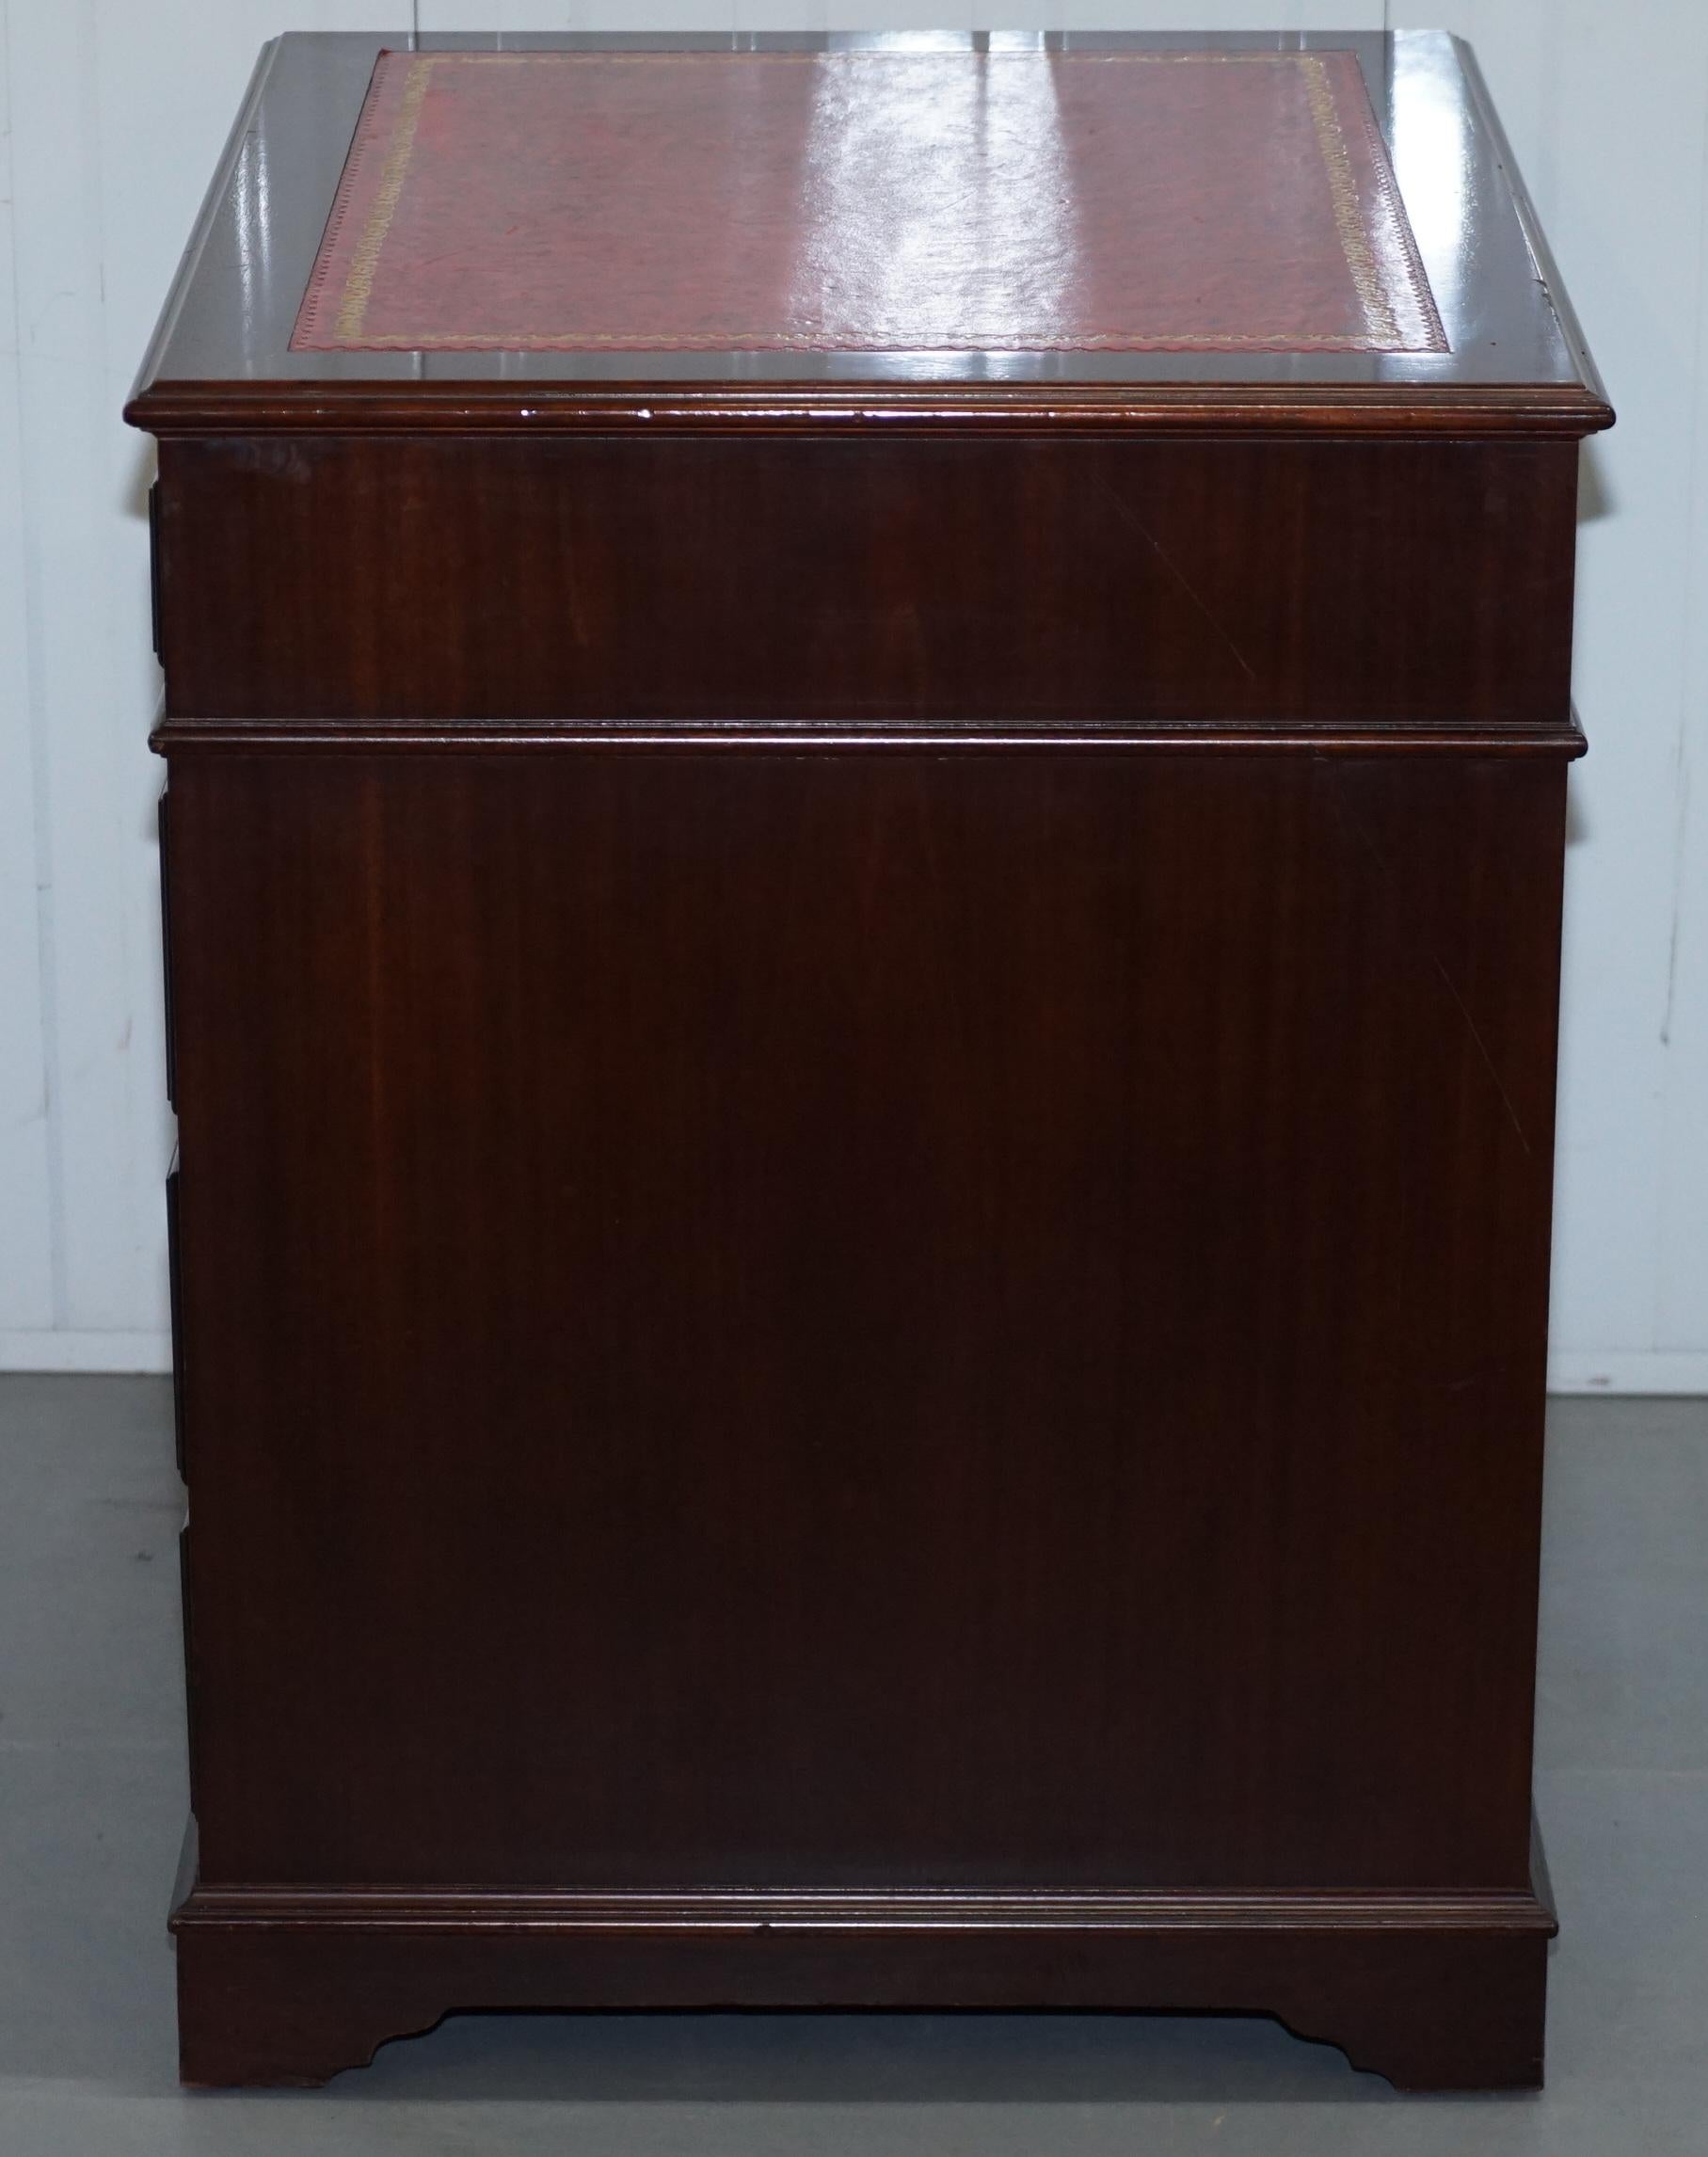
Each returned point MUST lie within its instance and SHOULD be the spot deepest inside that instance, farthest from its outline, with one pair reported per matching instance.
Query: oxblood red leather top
(869, 201)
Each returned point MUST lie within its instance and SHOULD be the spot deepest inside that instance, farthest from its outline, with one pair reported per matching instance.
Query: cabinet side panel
(916, 1319)
(723, 579)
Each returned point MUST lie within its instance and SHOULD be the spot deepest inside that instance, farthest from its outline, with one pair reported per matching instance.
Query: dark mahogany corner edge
(290, 1986)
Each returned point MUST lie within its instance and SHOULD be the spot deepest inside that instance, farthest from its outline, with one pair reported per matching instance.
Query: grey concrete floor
(92, 1806)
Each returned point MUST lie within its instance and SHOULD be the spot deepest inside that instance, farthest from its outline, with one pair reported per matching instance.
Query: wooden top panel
(990, 229)
(869, 201)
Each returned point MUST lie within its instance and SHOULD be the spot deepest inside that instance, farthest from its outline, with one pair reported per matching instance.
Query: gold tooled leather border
(1382, 331)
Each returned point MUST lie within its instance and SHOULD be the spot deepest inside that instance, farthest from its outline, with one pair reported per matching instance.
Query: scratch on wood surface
(1130, 516)
(1483, 1050)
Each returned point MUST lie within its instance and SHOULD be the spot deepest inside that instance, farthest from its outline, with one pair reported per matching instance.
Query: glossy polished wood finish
(221, 359)
(865, 1058)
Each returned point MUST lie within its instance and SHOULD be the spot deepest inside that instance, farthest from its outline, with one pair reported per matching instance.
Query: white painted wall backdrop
(113, 112)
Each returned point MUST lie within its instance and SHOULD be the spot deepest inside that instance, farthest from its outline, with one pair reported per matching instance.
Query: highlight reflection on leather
(869, 201)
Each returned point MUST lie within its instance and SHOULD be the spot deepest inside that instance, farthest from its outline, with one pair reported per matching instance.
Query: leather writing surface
(869, 200)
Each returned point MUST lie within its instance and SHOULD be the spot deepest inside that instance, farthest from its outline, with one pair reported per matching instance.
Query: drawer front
(190, 1688)
(163, 826)
(174, 1278)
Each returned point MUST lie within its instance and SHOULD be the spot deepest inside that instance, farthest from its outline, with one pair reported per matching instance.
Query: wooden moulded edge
(180, 736)
(179, 408)
(220, 1905)
(443, 1910)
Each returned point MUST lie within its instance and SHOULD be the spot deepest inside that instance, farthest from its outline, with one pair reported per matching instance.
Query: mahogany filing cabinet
(866, 750)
